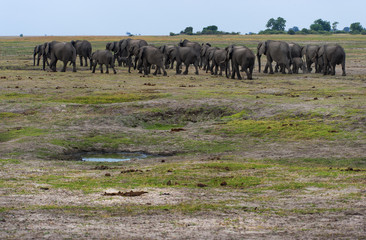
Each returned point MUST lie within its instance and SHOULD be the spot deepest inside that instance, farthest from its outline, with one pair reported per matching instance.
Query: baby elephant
(102, 57)
(298, 63)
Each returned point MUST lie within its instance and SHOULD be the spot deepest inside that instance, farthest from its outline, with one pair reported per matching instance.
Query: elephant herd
(233, 59)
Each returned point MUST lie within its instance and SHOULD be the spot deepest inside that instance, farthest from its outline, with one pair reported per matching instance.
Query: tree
(320, 25)
(356, 27)
(278, 24)
(210, 30)
(188, 31)
(334, 26)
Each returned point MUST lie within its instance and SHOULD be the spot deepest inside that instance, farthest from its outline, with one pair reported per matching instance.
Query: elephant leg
(276, 68)
(344, 68)
(129, 60)
(270, 67)
(74, 66)
(178, 71)
(86, 61)
(186, 71)
(94, 66)
(238, 72)
(196, 67)
(64, 67)
(101, 68)
(107, 66)
(266, 68)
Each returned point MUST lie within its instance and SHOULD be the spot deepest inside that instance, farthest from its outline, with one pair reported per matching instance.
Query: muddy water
(113, 157)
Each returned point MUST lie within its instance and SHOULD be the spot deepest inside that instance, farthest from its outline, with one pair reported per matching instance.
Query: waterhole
(114, 157)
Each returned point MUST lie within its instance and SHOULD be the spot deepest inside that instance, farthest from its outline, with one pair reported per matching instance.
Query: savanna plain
(281, 156)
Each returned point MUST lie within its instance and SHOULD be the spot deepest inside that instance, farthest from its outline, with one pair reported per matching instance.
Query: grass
(251, 146)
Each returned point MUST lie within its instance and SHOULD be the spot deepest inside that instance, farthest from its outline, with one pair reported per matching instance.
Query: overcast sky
(160, 17)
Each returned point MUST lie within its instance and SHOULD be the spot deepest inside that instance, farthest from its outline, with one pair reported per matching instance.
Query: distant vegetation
(320, 26)
(277, 26)
(209, 30)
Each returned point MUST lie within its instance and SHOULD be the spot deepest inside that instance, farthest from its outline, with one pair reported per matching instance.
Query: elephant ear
(47, 49)
(229, 54)
(320, 51)
(163, 48)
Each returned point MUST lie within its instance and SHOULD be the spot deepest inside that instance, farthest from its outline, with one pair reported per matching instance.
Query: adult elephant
(102, 57)
(165, 49)
(38, 51)
(84, 50)
(206, 56)
(203, 54)
(186, 55)
(149, 55)
(131, 46)
(309, 51)
(63, 51)
(219, 59)
(332, 55)
(277, 51)
(243, 57)
(195, 45)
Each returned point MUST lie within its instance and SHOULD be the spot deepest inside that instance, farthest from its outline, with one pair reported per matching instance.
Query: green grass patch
(112, 98)
(286, 129)
(21, 132)
(9, 115)
(9, 161)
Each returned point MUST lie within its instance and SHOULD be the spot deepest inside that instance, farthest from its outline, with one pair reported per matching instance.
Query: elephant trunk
(259, 62)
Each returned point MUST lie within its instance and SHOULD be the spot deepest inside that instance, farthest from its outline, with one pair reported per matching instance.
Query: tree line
(319, 26)
(277, 26)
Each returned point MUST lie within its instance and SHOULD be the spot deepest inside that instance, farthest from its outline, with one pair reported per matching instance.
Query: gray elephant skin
(219, 60)
(309, 51)
(277, 51)
(39, 51)
(103, 57)
(165, 49)
(206, 56)
(63, 51)
(83, 50)
(243, 57)
(186, 55)
(149, 55)
(131, 46)
(331, 55)
(298, 63)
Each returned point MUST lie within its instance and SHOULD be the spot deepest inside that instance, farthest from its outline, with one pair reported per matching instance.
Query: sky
(160, 17)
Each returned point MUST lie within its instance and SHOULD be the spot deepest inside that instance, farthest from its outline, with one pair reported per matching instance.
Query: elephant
(165, 50)
(38, 50)
(186, 55)
(241, 56)
(195, 45)
(206, 56)
(203, 52)
(102, 57)
(149, 55)
(121, 57)
(63, 51)
(277, 51)
(219, 59)
(131, 46)
(298, 63)
(309, 51)
(296, 52)
(84, 50)
(332, 55)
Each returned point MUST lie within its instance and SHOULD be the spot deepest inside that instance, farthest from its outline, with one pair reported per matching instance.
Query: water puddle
(114, 157)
